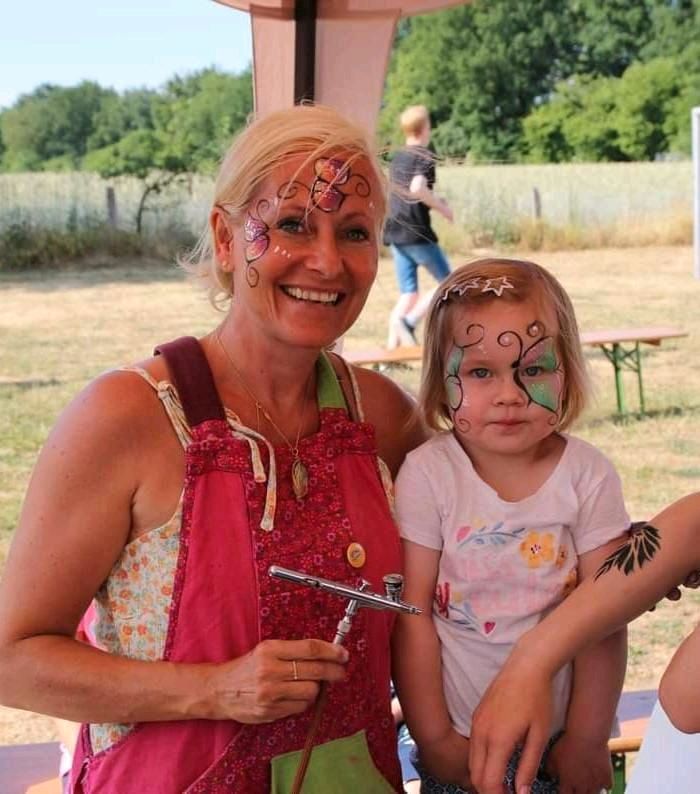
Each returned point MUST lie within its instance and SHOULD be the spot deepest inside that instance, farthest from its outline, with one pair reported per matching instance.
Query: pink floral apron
(224, 602)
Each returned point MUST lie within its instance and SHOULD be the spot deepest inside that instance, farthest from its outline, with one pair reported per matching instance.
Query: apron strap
(191, 375)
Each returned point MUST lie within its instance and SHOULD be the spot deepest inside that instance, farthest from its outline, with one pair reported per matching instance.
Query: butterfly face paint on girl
(503, 378)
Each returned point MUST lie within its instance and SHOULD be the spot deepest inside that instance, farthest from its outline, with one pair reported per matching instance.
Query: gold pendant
(300, 479)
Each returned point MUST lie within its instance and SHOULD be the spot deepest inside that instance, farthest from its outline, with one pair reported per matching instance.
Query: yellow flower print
(537, 548)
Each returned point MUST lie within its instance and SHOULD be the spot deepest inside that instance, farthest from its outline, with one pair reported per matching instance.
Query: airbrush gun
(357, 598)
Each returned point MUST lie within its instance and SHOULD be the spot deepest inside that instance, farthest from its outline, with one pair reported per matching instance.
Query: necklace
(300, 474)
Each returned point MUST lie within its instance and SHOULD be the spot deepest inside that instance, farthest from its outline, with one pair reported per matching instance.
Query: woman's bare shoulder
(394, 413)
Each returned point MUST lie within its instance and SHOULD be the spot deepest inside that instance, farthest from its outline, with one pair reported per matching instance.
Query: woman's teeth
(311, 295)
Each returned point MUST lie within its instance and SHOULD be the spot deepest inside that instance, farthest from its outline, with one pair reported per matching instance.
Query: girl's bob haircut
(530, 283)
(308, 131)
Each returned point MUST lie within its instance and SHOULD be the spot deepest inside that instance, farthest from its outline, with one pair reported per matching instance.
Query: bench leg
(616, 356)
(638, 368)
(621, 358)
(619, 773)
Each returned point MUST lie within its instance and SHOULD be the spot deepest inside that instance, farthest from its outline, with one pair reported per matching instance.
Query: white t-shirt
(504, 565)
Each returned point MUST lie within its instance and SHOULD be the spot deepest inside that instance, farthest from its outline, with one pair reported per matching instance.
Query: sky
(119, 44)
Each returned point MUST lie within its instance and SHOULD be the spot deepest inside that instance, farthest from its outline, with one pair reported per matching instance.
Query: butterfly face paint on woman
(333, 181)
(503, 378)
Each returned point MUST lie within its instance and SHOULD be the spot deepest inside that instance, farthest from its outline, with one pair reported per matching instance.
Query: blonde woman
(167, 489)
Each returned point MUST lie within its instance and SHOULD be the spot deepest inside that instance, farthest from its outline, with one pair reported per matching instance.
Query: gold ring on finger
(295, 671)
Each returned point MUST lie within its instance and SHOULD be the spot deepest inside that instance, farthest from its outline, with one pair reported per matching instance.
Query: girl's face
(305, 255)
(504, 379)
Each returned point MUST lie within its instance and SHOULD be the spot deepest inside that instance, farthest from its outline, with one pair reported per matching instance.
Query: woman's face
(305, 255)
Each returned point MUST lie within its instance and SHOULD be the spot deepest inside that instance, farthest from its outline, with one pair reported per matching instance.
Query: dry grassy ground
(57, 330)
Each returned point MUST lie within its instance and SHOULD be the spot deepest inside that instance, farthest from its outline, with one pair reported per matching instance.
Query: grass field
(59, 329)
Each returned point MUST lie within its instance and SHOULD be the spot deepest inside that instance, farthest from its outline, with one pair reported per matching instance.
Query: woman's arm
(96, 483)
(517, 706)
(679, 692)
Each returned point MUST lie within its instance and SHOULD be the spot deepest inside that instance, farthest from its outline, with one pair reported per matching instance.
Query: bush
(25, 247)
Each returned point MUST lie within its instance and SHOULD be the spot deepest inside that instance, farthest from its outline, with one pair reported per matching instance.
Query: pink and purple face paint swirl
(325, 194)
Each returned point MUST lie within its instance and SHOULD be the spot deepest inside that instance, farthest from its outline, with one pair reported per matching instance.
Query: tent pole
(304, 50)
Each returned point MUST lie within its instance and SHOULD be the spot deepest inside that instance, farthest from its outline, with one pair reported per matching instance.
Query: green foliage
(611, 34)
(594, 119)
(539, 78)
(50, 123)
(26, 247)
(184, 127)
(136, 154)
(198, 117)
(120, 115)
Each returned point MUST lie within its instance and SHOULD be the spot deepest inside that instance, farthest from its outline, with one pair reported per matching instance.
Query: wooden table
(621, 346)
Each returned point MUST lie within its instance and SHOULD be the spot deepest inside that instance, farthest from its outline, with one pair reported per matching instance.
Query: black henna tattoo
(643, 543)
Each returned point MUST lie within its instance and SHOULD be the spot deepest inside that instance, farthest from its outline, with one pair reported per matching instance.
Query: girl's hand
(447, 759)
(277, 678)
(580, 765)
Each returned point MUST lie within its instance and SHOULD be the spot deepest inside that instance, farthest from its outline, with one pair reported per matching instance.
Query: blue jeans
(407, 258)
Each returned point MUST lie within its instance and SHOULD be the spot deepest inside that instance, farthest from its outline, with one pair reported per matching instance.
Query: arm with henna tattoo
(517, 706)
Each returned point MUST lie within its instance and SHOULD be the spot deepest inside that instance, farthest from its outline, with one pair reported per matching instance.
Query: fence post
(536, 204)
(111, 207)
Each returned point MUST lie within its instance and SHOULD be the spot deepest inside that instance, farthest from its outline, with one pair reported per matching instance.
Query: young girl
(502, 514)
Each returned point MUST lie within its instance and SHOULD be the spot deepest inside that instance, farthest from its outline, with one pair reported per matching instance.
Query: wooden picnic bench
(621, 346)
(30, 768)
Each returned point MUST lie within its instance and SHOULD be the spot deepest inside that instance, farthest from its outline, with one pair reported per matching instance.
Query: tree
(479, 68)
(192, 122)
(119, 115)
(199, 115)
(608, 118)
(612, 34)
(52, 124)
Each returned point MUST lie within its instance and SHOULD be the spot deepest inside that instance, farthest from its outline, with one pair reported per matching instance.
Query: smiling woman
(153, 530)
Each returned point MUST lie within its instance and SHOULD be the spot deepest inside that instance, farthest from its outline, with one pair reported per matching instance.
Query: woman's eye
(532, 372)
(357, 234)
(479, 372)
(292, 225)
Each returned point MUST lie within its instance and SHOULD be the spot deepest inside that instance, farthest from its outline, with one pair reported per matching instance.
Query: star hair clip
(496, 285)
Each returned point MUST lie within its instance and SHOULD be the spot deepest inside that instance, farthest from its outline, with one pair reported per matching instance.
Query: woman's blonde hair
(530, 282)
(311, 131)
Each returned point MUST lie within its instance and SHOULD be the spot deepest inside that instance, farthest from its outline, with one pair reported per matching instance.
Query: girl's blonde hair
(530, 282)
(310, 131)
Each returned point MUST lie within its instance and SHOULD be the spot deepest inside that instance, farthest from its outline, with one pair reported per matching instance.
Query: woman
(165, 492)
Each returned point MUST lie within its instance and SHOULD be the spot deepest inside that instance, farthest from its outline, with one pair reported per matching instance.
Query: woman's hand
(277, 678)
(515, 709)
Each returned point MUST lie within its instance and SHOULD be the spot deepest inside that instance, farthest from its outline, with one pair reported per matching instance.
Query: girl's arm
(580, 759)
(517, 706)
(93, 483)
(417, 672)
(679, 692)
